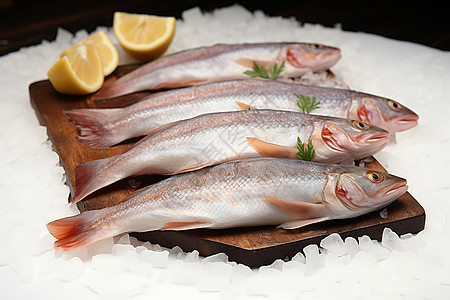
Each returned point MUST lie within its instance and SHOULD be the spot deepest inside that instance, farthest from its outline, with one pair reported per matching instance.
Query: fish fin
(88, 179)
(168, 85)
(185, 225)
(191, 168)
(302, 210)
(77, 231)
(301, 223)
(244, 106)
(91, 128)
(248, 63)
(271, 150)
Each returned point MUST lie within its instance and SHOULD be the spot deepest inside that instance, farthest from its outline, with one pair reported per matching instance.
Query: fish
(222, 62)
(102, 128)
(244, 193)
(215, 138)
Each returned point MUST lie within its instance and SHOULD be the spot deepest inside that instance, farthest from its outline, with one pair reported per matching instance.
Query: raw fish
(252, 192)
(107, 127)
(216, 138)
(222, 62)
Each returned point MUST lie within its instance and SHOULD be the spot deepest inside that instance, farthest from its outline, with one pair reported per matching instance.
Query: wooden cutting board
(251, 246)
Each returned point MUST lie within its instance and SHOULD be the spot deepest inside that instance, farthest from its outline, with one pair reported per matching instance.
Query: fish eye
(394, 105)
(360, 125)
(375, 177)
(317, 46)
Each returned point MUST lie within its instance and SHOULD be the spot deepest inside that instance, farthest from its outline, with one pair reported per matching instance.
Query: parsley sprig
(305, 152)
(306, 103)
(259, 71)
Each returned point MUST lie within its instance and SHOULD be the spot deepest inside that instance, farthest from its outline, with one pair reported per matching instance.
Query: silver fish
(216, 138)
(222, 62)
(252, 192)
(107, 127)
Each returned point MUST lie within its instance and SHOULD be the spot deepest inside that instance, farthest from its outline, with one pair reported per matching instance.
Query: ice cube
(176, 252)
(373, 247)
(240, 273)
(108, 263)
(140, 268)
(71, 269)
(384, 213)
(183, 272)
(215, 276)
(192, 256)
(299, 257)
(124, 239)
(277, 265)
(159, 259)
(391, 240)
(314, 259)
(334, 244)
(351, 245)
(219, 257)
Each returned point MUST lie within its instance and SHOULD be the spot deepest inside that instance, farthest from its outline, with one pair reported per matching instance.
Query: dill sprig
(306, 103)
(259, 71)
(305, 152)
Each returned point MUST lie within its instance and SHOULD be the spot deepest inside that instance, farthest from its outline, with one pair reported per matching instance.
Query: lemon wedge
(106, 49)
(80, 72)
(144, 37)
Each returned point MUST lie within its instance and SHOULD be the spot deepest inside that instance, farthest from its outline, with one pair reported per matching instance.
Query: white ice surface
(32, 190)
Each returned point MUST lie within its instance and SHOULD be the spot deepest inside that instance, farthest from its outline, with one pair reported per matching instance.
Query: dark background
(25, 22)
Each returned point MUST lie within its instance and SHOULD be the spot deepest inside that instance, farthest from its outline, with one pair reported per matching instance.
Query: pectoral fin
(302, 210)
(306, 213)
(300, 223)
(271, 150)
(248, 63)
(244, 106)
(185, 225)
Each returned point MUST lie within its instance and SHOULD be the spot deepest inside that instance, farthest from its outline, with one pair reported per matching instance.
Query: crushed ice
(399, 267)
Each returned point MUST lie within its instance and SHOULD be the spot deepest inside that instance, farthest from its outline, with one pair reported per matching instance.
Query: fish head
(356, 191)
(314, 57)
(384, 113)
(352, 139)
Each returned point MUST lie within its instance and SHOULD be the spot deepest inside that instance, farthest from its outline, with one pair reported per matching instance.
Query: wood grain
(252, 246)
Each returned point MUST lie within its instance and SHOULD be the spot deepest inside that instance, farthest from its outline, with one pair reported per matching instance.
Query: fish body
(107, 127)
(216, 138)
(252, 192)
(222, 62)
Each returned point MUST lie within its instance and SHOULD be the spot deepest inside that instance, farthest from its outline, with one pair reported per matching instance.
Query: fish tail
(90, 177)
(78, 231)
(92, 126)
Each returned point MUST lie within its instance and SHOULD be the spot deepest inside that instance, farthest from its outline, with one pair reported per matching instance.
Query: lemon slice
(107, 51)
(79, 72)
(145, 37)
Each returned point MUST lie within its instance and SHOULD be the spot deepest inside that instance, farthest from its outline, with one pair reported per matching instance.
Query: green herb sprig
(305, 152)
(306, 103)
(260, 71)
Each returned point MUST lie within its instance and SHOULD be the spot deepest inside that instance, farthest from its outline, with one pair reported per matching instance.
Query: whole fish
(107, 127)
(253, 192)
(222, 62)
(216, 138)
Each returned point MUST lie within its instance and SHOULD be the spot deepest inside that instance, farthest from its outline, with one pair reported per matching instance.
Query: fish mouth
(409, 121)
(397, 189)
(375, 138)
